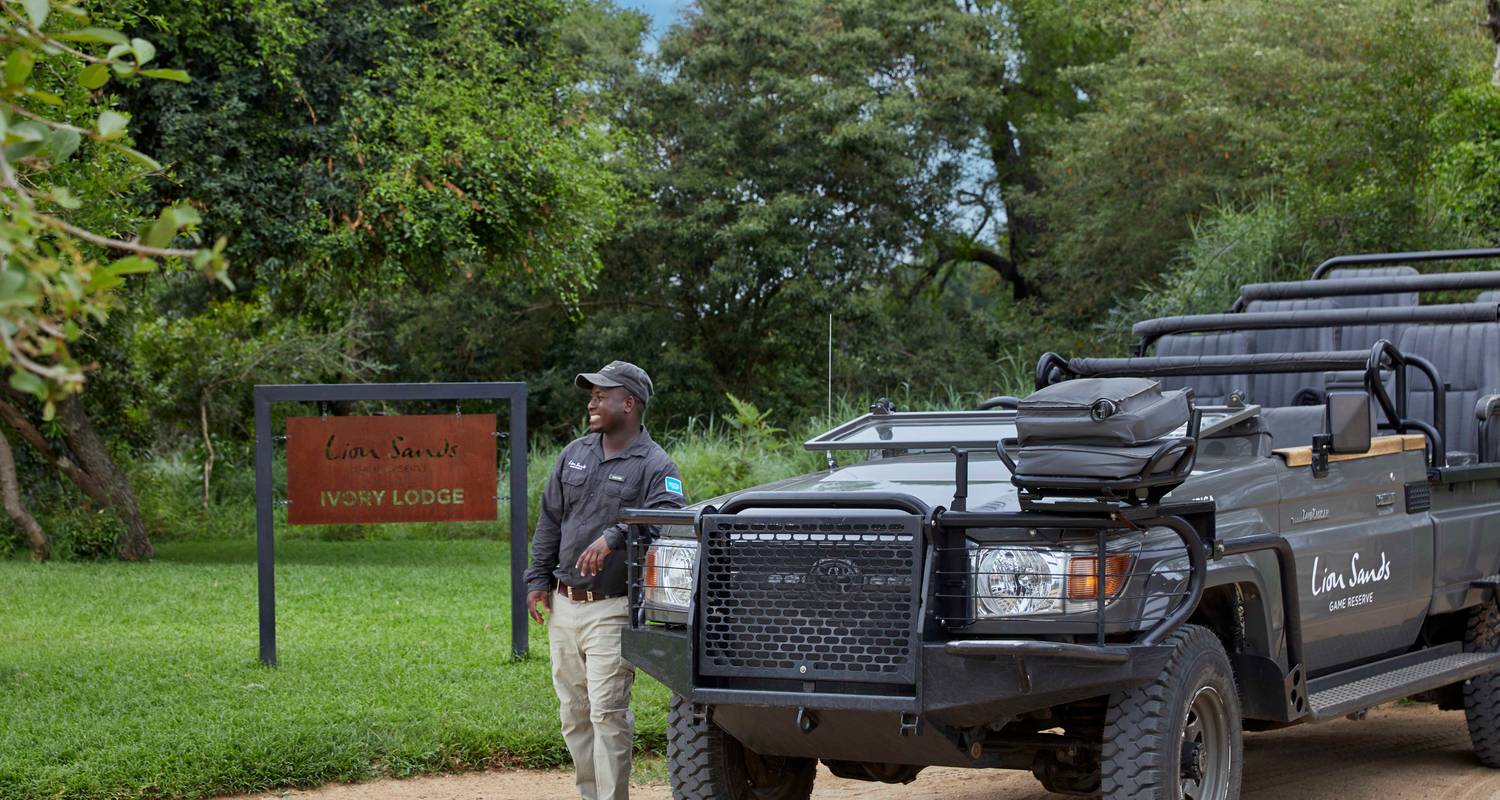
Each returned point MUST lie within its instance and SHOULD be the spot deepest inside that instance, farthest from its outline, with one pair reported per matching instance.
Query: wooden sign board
(420, 468)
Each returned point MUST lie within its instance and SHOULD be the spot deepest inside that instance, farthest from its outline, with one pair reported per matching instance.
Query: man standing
(578, 571)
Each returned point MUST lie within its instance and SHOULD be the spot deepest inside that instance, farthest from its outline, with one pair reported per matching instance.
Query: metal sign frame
(265, 543)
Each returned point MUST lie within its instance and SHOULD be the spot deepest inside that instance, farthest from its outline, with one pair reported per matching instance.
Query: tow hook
(1192, 761)
(807, 720)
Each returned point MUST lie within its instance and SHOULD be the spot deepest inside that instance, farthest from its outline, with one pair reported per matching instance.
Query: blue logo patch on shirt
(674, 485)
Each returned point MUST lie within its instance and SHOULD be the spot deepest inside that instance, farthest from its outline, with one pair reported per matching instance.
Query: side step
(1346, 692)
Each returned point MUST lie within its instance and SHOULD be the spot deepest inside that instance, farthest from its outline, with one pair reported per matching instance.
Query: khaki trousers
(593, 686)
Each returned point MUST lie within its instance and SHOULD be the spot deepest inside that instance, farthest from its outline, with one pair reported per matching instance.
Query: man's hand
(592, 560)
(539, 597)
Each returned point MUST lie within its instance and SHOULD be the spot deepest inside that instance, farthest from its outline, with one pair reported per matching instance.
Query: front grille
(810, 599)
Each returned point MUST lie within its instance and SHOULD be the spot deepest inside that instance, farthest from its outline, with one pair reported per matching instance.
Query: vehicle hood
(929, 477)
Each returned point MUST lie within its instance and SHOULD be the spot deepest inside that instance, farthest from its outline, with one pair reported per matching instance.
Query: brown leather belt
(583, 595)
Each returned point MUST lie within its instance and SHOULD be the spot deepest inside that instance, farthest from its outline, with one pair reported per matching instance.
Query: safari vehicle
(1319, 534)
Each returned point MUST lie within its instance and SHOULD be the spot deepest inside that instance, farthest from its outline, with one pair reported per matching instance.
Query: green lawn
(123, 680)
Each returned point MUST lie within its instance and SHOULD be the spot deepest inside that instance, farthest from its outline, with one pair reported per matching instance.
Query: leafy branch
(56, 274)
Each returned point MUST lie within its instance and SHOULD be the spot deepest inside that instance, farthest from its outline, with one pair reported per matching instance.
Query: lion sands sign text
(420, 468)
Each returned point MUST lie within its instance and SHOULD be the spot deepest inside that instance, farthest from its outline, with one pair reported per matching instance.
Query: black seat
(1282, 389)
(1208, 390)
(1360, 337)
(1467, 358)
(1375, 300)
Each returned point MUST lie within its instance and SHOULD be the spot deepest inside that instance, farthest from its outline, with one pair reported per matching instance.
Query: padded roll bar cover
(1151, 329)
(1375, 300)
(1288, 290)
(1412, 257)
(1488, 406)
(1220, 365)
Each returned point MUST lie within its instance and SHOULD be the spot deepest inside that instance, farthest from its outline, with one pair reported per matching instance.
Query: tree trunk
(208, 446)
(15, 507)
(1493, 7)
(16, 419)
(134, 543)
(1018, 176)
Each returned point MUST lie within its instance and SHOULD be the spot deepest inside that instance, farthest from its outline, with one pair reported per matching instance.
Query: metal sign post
(265, 543)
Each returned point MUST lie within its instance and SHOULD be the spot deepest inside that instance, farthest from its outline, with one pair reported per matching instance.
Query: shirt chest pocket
(574, 484)
(622, 489)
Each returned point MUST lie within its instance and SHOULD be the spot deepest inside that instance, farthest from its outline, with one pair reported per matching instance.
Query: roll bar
(1344, 287)
(1054, 367)
(1415, 257)
(1383, 355)
(1152, 329)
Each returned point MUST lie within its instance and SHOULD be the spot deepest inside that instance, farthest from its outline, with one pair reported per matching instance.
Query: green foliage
(1327, 106)
(750, 423)
(212, 360)
(795, 155)
(1466, 172)
(361, 150)
(66, 160)
(80, 534)
(1229, 248)
(743, 450)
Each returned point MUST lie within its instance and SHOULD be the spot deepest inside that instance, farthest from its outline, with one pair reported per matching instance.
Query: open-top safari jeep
(1318, 535)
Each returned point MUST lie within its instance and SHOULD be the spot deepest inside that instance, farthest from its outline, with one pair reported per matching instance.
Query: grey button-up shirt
(583, 498)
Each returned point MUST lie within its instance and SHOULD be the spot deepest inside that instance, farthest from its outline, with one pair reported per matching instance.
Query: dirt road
(1398, 753)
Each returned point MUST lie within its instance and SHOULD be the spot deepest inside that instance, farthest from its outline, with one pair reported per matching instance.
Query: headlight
(669, 572)
(1025, 581)
(1012, 582)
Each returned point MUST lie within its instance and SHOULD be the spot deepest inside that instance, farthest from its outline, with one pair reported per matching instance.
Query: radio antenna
(832, 465)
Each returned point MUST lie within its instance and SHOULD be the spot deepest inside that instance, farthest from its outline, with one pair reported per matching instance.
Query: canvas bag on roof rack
(1101, 435)
(1113, 412)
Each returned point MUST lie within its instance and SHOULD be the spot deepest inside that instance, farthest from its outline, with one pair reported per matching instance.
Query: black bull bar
(963, 679)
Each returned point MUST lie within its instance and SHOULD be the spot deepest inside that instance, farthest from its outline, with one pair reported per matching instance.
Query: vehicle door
(1364, 565)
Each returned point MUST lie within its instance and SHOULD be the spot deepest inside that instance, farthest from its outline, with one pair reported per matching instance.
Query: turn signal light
(1083, 576)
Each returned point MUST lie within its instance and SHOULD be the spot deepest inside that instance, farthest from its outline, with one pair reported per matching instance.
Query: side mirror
(1346, 421)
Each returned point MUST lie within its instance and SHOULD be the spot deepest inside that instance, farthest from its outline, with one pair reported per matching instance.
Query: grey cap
(618, 373)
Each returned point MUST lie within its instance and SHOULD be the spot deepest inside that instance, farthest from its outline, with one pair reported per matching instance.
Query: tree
(1326, 106)
(68, 238)
(369, 149)
(442, 173)
(793, 154)
(201, 368)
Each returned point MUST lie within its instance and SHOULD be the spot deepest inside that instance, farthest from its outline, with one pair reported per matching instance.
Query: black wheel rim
(1206, 748)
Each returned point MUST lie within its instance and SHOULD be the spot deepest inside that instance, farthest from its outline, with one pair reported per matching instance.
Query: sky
(662, 12)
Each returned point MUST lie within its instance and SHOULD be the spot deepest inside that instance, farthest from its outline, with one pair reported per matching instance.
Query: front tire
(1482, 693)
(706, 763)
(1177, 737)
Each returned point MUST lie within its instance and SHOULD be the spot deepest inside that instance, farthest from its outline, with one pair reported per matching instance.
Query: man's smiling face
(607, 408)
